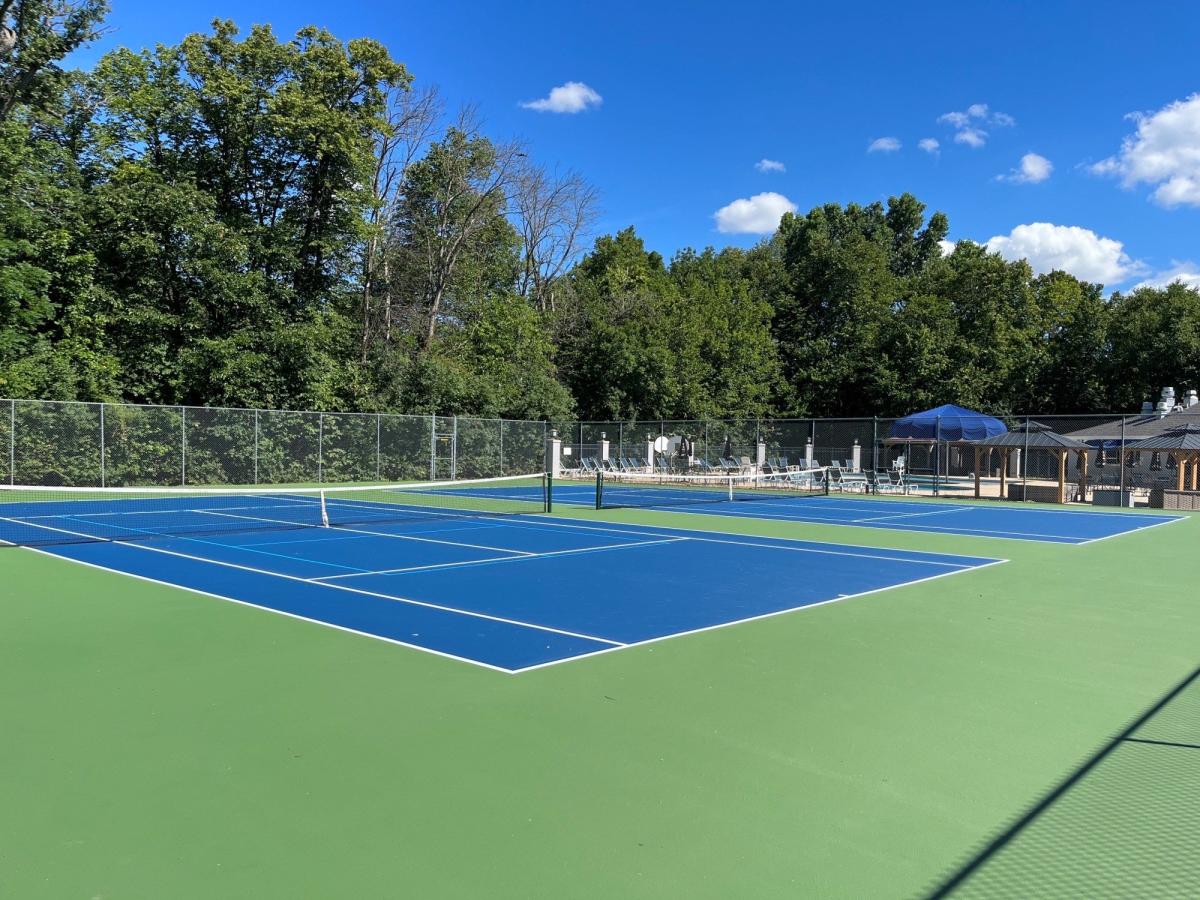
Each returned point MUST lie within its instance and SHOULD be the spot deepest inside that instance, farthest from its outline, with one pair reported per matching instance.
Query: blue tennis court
(511, 592)
(973, 518)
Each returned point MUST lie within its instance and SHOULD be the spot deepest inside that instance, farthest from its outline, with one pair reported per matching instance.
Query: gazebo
(1182, 442)
(1029, 437)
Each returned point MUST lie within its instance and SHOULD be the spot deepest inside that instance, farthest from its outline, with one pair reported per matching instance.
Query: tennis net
(33, 516)
(617, 490)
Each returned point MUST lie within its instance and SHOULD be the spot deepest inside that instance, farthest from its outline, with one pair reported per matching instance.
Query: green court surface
(969, 734)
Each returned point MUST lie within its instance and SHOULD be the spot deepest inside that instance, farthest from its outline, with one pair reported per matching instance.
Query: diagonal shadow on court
(1125, 823)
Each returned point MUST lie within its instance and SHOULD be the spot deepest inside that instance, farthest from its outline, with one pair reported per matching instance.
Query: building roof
(1034, 436)
(1142, 425)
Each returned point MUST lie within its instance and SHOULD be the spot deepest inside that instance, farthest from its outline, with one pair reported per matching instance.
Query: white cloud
(884, 145)
(1164, 152)
(572, 97)
(929, 145)
(970, 121)
(1082, 252)
(1033, 169)
(1187, 272)
(770, 165)
(972, 137)
(759, 214)
(947, 246)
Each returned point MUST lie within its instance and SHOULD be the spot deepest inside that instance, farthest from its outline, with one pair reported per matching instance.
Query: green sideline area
(971, 732)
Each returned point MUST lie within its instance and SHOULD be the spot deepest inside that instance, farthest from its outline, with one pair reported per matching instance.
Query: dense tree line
(244, 220)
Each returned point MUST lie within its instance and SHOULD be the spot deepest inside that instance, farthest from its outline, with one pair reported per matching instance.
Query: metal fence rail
(48, 442)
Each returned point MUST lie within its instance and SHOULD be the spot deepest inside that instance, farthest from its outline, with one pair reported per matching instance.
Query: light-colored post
(856, 457)
(1062, 476)
(808, 454)
(649, 453)
(761, 455)
(603, 446)
(102, 454)
(978, 464)
(554, 454)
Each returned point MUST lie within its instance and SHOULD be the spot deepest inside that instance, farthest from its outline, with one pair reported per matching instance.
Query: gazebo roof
(1181, 437)
(1035, 436)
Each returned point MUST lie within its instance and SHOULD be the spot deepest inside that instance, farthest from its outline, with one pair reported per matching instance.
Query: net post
(102, 454)
(599, 490)
(324, 511)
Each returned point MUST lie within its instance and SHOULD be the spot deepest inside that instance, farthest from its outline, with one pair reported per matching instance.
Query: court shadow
(1125, 823)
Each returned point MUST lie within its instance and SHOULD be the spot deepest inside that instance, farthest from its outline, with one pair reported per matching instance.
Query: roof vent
(1191, 399)
(1147, 408)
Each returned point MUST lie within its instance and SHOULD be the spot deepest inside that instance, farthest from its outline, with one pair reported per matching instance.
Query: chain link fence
(1099, 460)
(128, 445)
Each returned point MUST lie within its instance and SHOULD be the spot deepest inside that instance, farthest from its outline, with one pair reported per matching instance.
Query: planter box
(1161, 498)
(1112, 498)
(1036, 493)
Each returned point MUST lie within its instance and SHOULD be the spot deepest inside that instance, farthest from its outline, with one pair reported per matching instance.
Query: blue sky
(693, 95)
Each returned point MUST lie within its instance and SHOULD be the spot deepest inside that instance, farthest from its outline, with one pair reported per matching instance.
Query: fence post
(1121, 463)
(183, 445)
(320, 448)
(454, 449)
(432, 447)
(256, 446)
(12, 441)
(1025, 464)
(502, 448)
(378, 443)
(102, 472)
(937, 455)
(875, 443)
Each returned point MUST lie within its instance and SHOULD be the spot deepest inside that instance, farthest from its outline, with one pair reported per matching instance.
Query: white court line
(770, 615)
(931, 512)
(1134, 530)
(699, 536)
(401, 537)
(278, 612)
(1029, 536)
(478, 562)
(336, 587)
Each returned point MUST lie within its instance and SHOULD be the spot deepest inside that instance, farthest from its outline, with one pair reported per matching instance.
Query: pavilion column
(1003, 473)
(1062, 476)
(1196, 472)
(1181, 469)
(1083, 474)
